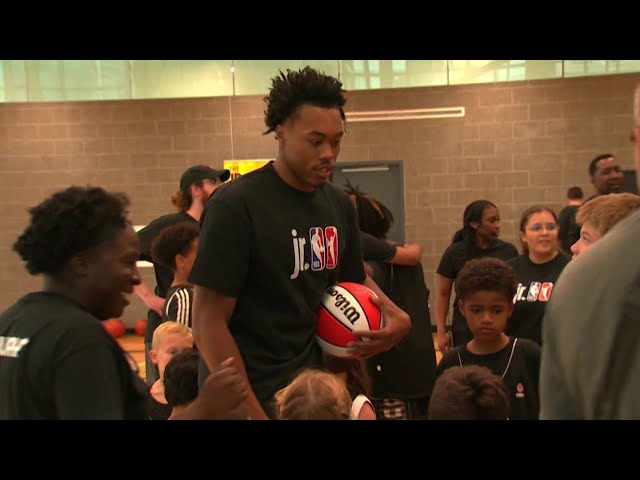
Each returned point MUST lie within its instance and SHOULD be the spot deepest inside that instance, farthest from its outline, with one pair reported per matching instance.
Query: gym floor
(134, 345)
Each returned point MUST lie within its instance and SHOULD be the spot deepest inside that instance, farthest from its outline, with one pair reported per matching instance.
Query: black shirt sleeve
(224, 247)
(376, 249)
(446, 268)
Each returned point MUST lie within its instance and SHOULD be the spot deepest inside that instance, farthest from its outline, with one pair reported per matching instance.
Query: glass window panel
(489, 71)
(370, 74)
(181, 78)
(253, 77)
(582, 68)
(13, 81)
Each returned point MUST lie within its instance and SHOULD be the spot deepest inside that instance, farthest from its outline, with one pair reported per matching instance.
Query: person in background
(401, 378)
(606, 177)
(353, 373)
(537, 271)
(485, 289)
(175, 248)
(469, 393)
(590, 365)
(313, 395)
(567, 217)
(477, 238)
(181, 381)
(197, 184)
(600, 215)
(169, 339)
(56, 360)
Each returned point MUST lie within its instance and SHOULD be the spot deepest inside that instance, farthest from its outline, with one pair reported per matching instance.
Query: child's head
(469, 393)
(313, 395)
(353, 372)
(169, 339)
(176, 247)
(181, 378)
(599, 215)
(485, 288)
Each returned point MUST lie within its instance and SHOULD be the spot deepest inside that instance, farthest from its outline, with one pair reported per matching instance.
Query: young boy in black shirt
(485, 288)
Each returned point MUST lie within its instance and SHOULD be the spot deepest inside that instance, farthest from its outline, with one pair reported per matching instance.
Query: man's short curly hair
(486, 274)
(67, 223)
(295, 88)
(173, 240)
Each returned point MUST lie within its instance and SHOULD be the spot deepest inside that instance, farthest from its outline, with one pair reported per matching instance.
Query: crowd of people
(544, 331)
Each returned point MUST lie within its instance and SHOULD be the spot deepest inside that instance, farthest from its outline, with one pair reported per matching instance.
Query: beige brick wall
(519, 143)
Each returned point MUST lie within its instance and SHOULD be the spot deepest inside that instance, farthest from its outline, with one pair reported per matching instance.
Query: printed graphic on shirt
(520, 390)
(11, 346)
(535, 292)
(323, 251)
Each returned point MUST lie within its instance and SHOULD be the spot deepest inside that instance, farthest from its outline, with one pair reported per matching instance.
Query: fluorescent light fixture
(414, 114)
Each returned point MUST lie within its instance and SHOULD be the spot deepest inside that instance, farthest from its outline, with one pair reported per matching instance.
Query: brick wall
(519, 143)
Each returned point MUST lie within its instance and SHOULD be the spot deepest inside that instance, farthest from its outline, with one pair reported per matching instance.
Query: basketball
(114, 327)
(140, 327)
(345, 307)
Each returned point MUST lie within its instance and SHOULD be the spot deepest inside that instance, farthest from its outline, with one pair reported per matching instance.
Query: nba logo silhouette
(534, 290)
(317, 248)
(545, 292)
(332, 247)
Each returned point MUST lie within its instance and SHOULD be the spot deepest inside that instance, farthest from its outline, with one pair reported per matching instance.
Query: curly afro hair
(486, 275)
(295, 88)
(173, 240)
(67, 223)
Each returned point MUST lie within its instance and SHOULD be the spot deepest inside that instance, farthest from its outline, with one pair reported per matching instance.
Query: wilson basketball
(345, 307)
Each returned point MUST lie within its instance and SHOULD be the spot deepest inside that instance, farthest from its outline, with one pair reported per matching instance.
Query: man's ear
(279, 131)
(461, 306)
(153, 356)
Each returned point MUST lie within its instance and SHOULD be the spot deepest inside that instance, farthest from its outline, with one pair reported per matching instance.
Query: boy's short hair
(604, 211)
(168, 328)
(181, 378)
(486, 274)
(173, 240)
(470, 392)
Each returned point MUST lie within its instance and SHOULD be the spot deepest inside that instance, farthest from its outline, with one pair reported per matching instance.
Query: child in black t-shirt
(485, 288)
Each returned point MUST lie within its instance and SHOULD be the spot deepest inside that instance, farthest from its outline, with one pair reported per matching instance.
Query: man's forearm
(215, 345)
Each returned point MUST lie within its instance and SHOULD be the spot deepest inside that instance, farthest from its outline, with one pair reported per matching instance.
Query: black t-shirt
(164, 276)
(452, 261)
(57, 362)
(535, 284)
(408, 370)
(276, 250)
(376, 249)
(518, 364)
(568, 232)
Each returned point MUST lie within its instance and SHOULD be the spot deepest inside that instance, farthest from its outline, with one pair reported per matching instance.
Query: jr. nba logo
(332, 247)
(316, 236)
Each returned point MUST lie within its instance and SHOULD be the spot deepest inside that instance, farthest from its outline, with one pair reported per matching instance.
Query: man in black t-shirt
(274, 240)
(196, 186)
